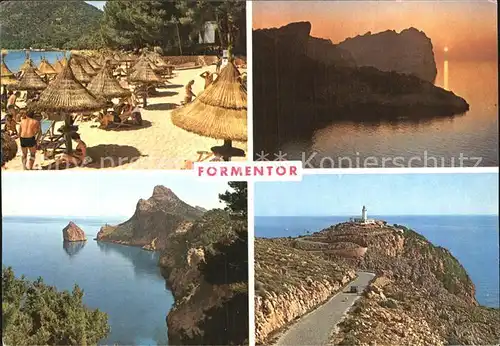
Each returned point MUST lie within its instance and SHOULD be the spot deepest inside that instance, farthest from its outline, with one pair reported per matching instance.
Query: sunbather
(28, 131)
(202, 157)
(10, 125)
(77, 157)
(189, 92)
(208, 77)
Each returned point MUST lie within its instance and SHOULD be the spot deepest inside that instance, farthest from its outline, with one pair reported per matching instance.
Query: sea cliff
(203, 258)
(421, 294)
(303, 83)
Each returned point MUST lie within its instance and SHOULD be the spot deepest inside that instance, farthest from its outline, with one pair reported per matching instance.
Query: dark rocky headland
(303, 83)
(421, 294)
(201, 258)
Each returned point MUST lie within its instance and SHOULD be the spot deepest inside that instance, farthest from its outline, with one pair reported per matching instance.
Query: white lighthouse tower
(363, 215)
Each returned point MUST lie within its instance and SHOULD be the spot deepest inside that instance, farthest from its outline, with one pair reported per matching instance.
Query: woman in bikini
(189, 92)
(78, 156)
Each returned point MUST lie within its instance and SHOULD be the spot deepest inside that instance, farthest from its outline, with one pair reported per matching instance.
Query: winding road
(315, 328)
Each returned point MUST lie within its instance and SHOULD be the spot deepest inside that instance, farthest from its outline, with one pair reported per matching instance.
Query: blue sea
(15, 58)
(123, 281)
(473, 240)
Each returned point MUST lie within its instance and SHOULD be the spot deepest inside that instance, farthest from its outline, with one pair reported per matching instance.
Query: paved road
(315, 328)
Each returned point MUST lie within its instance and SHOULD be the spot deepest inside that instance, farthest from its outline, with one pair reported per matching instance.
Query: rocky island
(203, 257)
(421, 294)
(73, 233)
(302, 83)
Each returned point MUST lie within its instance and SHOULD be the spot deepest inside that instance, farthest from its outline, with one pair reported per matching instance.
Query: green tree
(132, 24)
(36, 314)
(236, 200)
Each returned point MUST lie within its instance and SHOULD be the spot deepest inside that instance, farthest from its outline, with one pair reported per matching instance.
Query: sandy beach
(157, 144)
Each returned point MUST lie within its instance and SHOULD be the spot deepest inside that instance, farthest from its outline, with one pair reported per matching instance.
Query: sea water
(473, 240)
(123, 281)
(15, 58)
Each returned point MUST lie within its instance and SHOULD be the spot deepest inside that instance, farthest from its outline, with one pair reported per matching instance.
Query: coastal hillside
(297, 93)
(421, 294)
(203, 258)
(48, 24)
(153, 221)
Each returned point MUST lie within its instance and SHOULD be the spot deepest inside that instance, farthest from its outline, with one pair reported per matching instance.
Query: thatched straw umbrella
(79, 72)
(46, 68)
(64, 96)
(95, 65)
(144, 74)
(7, 77)
(219, 112)
(30, 81)
(87, 67)
(106, 86)
(60, 64)
(9, 148)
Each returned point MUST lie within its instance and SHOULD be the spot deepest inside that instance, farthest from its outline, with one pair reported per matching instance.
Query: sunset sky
(467, 28)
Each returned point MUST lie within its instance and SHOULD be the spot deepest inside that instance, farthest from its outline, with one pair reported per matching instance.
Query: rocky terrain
(303, 83)
(290, 282)
(409, 51)
(204, 259)
(421, 296)
(153, 221)
(73, 233)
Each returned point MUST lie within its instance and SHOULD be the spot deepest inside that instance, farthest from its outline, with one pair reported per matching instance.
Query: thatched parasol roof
(26, 64)
(105, 85)
(66, 94)
(220, 111)
(9, 148)
(5, 71)
(46, 68)
(95, 65)
(7, 77)
(143, 73)
(87, 67)
(79, 72)
(30, 81)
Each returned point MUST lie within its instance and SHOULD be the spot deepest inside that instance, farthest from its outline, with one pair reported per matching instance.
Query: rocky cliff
(302, 84)
(422, 295)
(290, 282)
(204, 259)
(409, 51)
(206, 268)
(153, 221)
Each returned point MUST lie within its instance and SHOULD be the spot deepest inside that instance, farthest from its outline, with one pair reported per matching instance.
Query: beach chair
(46, 131)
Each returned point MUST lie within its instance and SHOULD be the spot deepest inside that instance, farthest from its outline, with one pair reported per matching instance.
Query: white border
(420, 170)
(249, 14)
(250, 184)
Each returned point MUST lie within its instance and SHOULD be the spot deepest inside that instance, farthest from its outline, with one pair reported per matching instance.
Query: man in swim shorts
(27, 133)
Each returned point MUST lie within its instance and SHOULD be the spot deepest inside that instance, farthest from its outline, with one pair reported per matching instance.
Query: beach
(157, 144)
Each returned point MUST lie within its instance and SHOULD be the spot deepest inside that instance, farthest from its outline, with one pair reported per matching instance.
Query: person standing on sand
(209, 78)
(27, 133)
(189, 92)
(11, 104)
(218, 64)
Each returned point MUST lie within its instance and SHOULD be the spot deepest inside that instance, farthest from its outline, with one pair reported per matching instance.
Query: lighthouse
(363, 215)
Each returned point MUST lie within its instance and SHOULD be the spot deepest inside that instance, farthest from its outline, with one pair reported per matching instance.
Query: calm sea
(15, 58)
(435, 141)
(473, 240)
(123, 281)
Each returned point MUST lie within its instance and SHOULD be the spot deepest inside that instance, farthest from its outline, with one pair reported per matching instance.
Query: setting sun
(445, 49)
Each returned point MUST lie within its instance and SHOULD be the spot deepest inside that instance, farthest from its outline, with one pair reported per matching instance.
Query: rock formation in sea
(409, 51)
(73, 233)
(421, 294)
(153, 221)
(203, 257)
(302, 84)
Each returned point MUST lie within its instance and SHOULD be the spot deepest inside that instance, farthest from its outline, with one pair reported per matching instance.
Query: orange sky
(468, 28)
